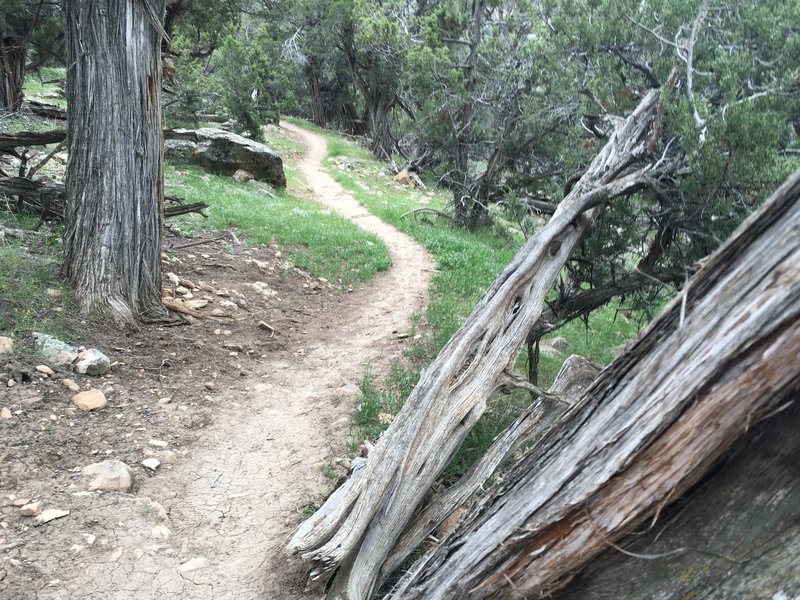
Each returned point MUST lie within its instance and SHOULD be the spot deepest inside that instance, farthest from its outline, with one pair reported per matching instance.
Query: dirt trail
(235, 499)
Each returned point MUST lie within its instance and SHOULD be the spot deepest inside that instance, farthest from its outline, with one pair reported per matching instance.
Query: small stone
(11, 382)
(32, 509)
(242, 176)
(161, 532)
(181, 290)
(6, 345)
(151, 463)
(110, 475)
(92, 362)
(90, 400)
(164, 400)
(20, 502)
(259, 264)
(158, 443)
(168, 457)
(44, 370)
(5, 413)
(56, 352)
(193, 564)
(90, 538)
(210, 385)
(53, 293)
(71, 385)
(50, 515)
(218, 312)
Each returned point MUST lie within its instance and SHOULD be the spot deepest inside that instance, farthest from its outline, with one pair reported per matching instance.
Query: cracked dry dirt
(215, 524)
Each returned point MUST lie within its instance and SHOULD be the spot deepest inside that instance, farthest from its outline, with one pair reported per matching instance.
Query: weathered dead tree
(720, 358)
(352, 535)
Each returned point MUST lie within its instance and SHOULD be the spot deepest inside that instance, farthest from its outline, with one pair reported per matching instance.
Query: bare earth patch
(242, 414)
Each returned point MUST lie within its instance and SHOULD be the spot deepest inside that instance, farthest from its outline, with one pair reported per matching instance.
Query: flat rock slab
(225, 153)
(109, 475)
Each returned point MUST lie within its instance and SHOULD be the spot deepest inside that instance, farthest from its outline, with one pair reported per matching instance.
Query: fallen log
(352, 540)
(9, 142)
(47, 198)
(720, 358)
(48, 111)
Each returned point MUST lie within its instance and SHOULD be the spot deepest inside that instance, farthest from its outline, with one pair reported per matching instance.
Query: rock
(575, 375)
(110, 475)
(158, 443)
(90, 538)
(225, 153)
(44, 370)
(20, 502)
(56, 352)
(51, 514)
(242, 176)
(32, 509)
(11, 382)
(71, 385)
(151, 463)
(403, 179)
(559, 344)
(193, 564)
(161, 532)
(5, 413)
(168, 457)
(53, 293)
(210, 385)
(6, 345)
(90, 400)
(92, 362)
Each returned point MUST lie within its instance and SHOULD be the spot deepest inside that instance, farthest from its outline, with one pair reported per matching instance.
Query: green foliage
(32, 295)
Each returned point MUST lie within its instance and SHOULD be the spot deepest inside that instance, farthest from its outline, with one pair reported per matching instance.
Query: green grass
(318, 241)
(32, 296)
(35, 89)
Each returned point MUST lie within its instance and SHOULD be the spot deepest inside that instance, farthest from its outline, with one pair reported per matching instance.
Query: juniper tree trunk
(114, 179)
(720, 358)
(12, 72)
(355, 532)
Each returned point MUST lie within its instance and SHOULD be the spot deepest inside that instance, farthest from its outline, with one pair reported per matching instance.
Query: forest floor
(249, 416)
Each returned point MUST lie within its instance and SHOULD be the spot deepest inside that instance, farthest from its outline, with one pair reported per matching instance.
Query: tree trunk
(720, 358)
(12, 73)
(357, 530)
(112, 237)
(317, 105)
(380, 111)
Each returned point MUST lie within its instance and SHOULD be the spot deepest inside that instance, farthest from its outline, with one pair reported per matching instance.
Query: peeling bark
(112, 237)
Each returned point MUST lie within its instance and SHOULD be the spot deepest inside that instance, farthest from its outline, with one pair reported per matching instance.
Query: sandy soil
(251, 415)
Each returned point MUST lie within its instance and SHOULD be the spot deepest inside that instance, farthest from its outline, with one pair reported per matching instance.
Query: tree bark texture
(112, 237)
(362, 528)
(720, 358)
(12, 72)
(736, 535)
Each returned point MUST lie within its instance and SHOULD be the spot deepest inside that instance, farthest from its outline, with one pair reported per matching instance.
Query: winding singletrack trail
(235, 500)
